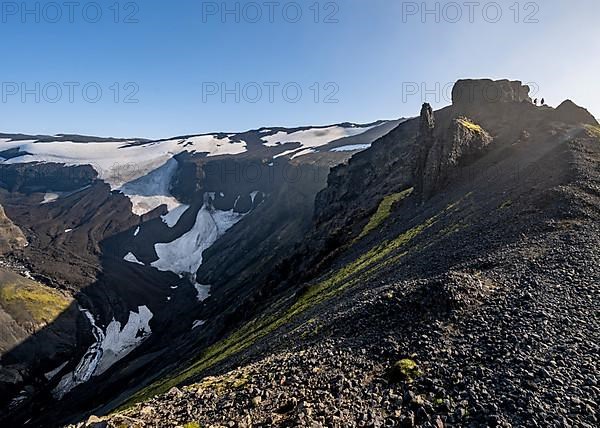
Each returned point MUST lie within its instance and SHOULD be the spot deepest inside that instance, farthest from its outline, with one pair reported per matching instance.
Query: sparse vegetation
(192, 425)
(365, 266)
(470, 125)
(405, 370)
(224, 383)
(42, 304)
(593, 131)
(348, 275)
(383, 211)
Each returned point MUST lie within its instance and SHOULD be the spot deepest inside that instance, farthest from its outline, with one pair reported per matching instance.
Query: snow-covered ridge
(131, 258)
(119, 162)
(311, 138)
(143, 170)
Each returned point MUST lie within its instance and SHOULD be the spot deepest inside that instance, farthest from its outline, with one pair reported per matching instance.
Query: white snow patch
(68, 230)
(253, 195)
(303, 152)
(50, 197)
(174, 215)
(351, 148)
(86, 366)
(203, 291)
(130, 257)
(119, 342)
(53, 196)
(110, 346)
(198, 323)
(184, 255)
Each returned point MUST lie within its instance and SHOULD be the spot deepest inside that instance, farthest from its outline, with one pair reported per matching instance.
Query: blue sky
(178, 54)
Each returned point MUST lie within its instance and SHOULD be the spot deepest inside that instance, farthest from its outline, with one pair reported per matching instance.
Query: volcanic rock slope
(450, 278)
(101, 241)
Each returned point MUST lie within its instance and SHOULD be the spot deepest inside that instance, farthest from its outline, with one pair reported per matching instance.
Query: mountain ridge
(343, 296)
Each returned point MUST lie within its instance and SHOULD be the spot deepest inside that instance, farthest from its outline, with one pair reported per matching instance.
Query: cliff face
(42, 177)
(440, 153)
(477, 93)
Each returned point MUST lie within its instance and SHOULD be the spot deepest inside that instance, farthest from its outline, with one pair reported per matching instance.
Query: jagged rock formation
(479, 93)
(440, 153)
(11, 237)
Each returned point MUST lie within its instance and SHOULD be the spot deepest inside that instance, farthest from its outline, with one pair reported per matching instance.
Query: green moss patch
(469, 125)
(405, 370)
(25, 299)
(383, 211)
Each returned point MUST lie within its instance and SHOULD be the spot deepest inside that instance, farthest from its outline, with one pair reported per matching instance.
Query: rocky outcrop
(569, 112)
(442, 151)
(480, 92)
(11, 237)
(425, 142)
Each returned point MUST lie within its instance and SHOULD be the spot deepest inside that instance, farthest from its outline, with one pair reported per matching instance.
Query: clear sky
(173, 58)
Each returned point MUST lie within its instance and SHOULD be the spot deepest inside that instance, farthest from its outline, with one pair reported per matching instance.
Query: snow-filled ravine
(110, 346)
(183, 256)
